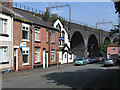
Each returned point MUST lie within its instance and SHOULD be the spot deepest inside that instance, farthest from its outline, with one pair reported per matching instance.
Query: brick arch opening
(115, 40)
(77, 44)
(107, 41)
(92, 47)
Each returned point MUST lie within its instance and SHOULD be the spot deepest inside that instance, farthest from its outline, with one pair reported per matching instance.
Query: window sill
(25, 64)
(53, 43)
(25, 40)
(37, 41)
(4, 62)
(6, 35)
(52, 60)
(37, 62)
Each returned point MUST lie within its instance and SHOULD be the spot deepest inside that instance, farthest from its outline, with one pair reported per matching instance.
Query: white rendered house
(6, 38)
(65, 53)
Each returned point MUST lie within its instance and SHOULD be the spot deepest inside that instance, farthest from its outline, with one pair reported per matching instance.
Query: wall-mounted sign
(22, 44)
(61, 38)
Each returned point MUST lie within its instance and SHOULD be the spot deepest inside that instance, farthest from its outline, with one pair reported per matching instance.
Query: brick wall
(111, 51)
(17, 38)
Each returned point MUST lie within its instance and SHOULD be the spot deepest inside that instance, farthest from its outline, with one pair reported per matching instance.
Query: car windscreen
(108, 59)
(79, 59)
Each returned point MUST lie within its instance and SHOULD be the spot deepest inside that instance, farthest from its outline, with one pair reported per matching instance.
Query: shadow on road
(90, 78)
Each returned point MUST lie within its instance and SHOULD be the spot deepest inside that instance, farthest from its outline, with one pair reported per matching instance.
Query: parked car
(109, 61)
(100, 58)
(93, 60)
(80, 61)
(88, 60)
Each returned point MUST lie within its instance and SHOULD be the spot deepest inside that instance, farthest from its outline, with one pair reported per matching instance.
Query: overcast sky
(83, 12)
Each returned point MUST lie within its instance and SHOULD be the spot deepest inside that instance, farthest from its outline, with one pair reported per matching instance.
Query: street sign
(22, 44)
(61, 38)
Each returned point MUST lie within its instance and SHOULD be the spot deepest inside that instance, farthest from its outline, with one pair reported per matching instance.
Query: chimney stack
(7, 3)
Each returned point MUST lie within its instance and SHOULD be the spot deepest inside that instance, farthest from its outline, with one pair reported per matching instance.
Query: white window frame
(113, 49)
(52, 37)
(39, 53)
(4, 21)
(26, 26)
(37, 30)
(63, 35)
(46, 36)
(3, 49)
(25, 49)
(54, 55)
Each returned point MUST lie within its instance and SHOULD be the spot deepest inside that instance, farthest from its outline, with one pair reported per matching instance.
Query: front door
(46, 59)
(43, 58)
(16, 59)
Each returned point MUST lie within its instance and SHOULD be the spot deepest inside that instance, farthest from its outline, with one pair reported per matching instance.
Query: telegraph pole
(66, 5)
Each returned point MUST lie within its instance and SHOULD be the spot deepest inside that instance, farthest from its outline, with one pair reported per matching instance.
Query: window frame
(3, 50)
(4, 21)
(39, 60)
(25, 49)
(53, 51)
(26, 26)
(37, 30)
(47, 36)
(113, 49)
(53, 36)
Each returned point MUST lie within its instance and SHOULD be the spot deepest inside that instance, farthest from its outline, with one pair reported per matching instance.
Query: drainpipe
(32, 43)
(49, 36)
(12, 42)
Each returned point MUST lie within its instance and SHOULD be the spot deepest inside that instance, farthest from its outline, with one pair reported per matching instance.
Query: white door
(47, 59)
(43, 58)
(16, 59)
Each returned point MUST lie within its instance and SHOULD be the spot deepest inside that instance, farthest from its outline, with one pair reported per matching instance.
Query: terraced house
(6, 38)
(35, 42)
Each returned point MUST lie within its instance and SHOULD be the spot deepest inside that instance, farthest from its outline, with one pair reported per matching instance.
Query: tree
(53, 17)
(46, 15)
(103, 48)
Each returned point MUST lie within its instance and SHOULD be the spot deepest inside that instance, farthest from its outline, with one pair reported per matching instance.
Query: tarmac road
(64, 76)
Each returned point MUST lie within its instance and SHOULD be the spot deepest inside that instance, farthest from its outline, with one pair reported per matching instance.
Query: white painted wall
(64, 60)
(7, 41)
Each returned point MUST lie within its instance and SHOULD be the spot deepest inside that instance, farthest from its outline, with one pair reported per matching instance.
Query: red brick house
(113, 49)
(36, 43)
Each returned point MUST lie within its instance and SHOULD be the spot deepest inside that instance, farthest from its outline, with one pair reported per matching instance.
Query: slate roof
(36, 20)
(6, 10)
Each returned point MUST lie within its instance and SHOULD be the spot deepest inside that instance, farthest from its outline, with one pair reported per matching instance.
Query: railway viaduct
(85, 40)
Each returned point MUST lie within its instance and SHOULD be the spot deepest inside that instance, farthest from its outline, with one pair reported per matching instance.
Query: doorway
(16, 59)
(43, 58)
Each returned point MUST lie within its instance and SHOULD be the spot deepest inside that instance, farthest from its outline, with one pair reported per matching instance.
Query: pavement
(33, 71)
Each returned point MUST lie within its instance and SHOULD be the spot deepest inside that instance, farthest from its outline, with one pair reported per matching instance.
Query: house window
(25, 55)
(37, 34)
(63, 36)
(53, 55)
(52, 36)
(3, 54)
(3, 26)
(46, 36)
(25, 32)
(59, 40)
(37, 55)
(113, 49)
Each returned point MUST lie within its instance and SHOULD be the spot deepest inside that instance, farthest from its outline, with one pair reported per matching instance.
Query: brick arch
(107, 39)
(92, 46)
(78, 44)
(115, 40)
